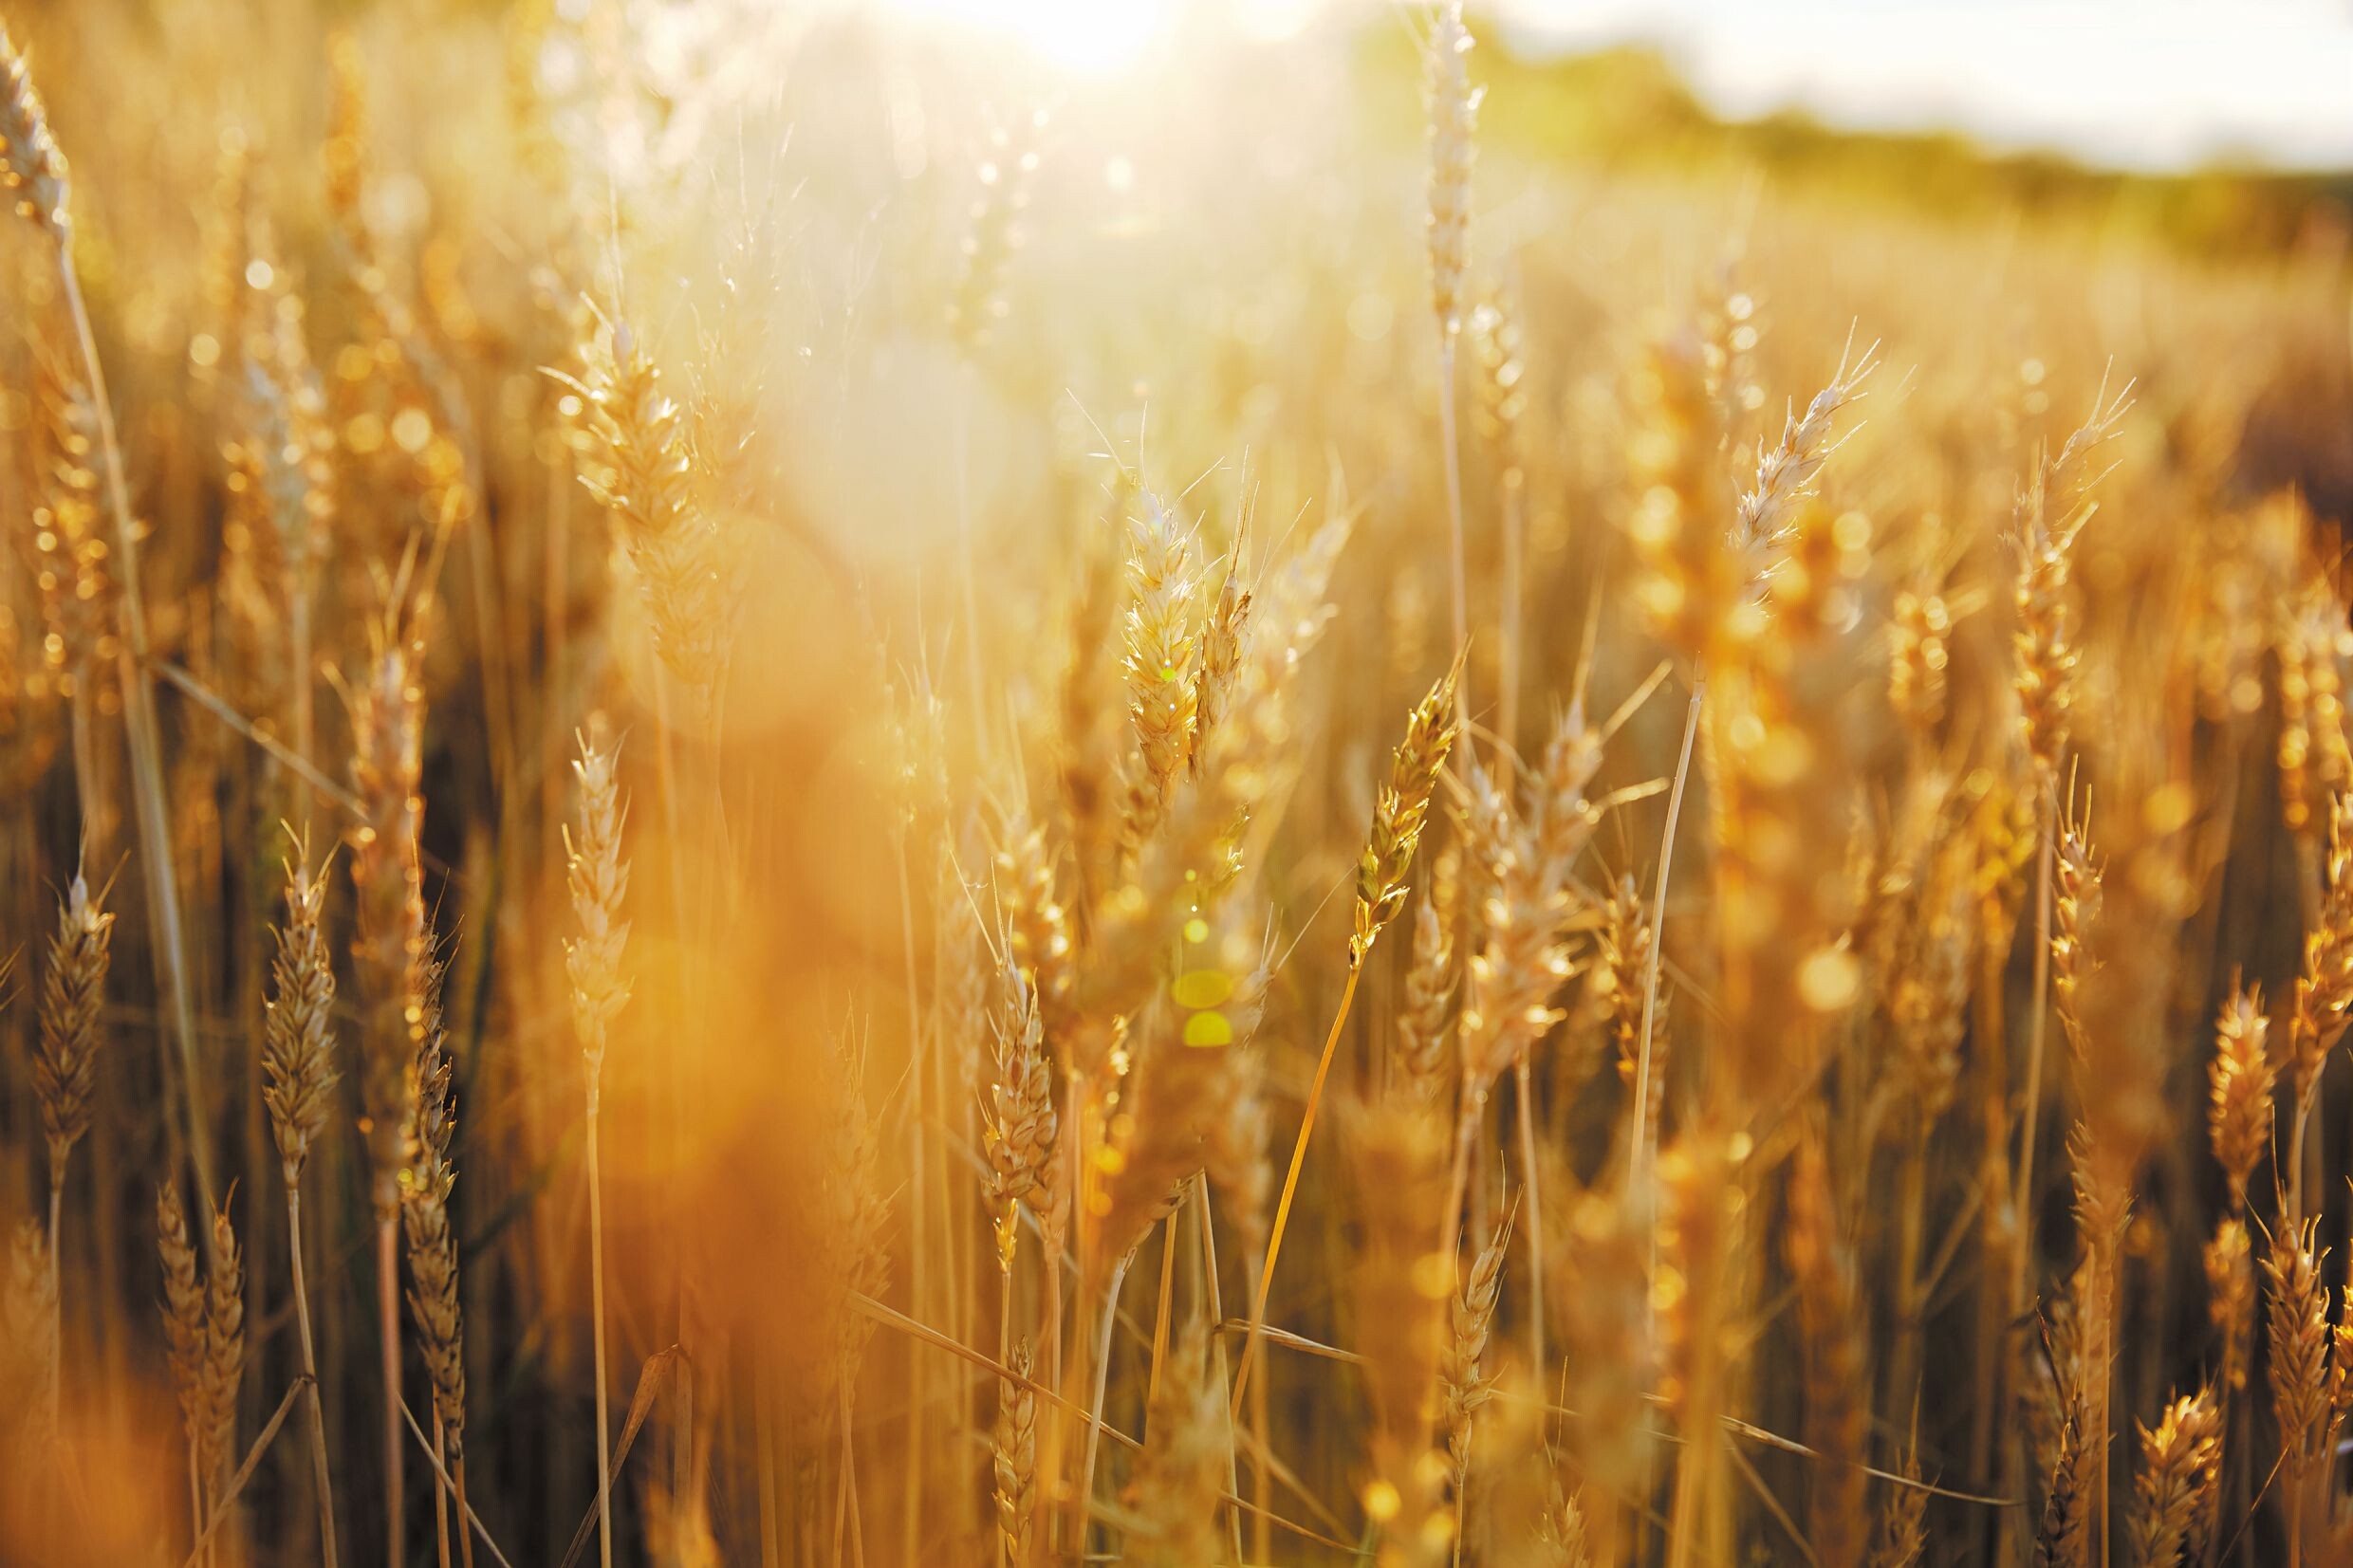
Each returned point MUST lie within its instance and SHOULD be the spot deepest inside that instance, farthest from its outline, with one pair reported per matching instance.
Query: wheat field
(778, 793)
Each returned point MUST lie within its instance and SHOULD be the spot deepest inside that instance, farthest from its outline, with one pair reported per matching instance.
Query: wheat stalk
(390, 949)
(1399, 814)
(1834, 1376)
(34, 169)
(1398, 1159)
(1496, 338)
(1453, 107)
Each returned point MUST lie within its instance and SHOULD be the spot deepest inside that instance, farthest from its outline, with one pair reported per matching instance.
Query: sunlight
(1081, 37)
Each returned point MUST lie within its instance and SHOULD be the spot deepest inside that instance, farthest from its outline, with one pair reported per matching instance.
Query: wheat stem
(1447, 447)
(1290, 1188)
(441, 1498)
(1645, 1128)
(960, 443)
(1533, 1186)
(2024, 1195)
(320, 1474)
(57, 1305)
(1095, 1405)
(140, 728)
(918, 1167)
(388, 1329)
(1218, 1355)
(596, 1307)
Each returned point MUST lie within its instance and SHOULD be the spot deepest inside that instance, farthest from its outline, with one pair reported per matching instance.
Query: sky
(2137, 83)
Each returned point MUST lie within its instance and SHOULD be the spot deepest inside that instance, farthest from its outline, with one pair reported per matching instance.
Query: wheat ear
(66, 1064)
(297, 1063)
(224, 1352)
(598, 877)
(1014, 1464)
(2180, 1468)
(184, 1333)
(1466, 1387)
(2241, 1079)
(426, 1186)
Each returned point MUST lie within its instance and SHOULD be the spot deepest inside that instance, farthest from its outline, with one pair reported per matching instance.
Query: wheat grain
(1399, 814)
(1453, 106)
(73, 989)
(1163, 581)
(184, 1320)
(2075, 908)
(642, 472)
(1015, 1461)
(2298, 1317)
(1018, 1119)
(298, 1031)
(2239, 1099)
(222, 1369)
(1425, 1048)
(1466, 1386)
(2179, 1468)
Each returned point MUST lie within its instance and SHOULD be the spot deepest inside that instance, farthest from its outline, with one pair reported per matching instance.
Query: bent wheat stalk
(1399, 815)
(35, 171)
